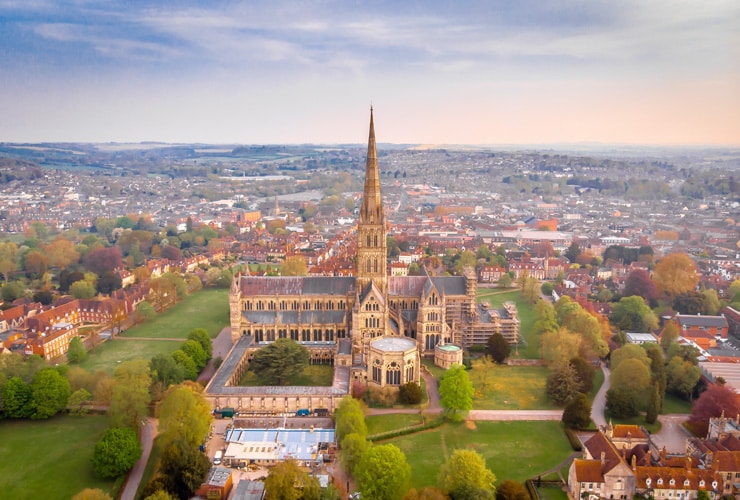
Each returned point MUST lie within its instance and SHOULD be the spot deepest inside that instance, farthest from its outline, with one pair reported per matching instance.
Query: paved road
(672, 433)
(221, 346)
(148, 433)
(599, 403)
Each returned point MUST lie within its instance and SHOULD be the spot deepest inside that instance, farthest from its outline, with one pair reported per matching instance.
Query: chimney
(634, 462)
(603, 457)
(688, 463)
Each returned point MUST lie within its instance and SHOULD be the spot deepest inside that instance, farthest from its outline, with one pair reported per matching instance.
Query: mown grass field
(378, 424)
(496, 298)
(513, 450)
(50, 458)
(501, 387)
(207, 309)
(674, 404)
(108, 355)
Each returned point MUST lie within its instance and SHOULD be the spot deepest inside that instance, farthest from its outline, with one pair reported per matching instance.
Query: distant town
(602, 284)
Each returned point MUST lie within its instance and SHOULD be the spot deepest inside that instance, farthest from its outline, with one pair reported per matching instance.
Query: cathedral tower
(371, 245)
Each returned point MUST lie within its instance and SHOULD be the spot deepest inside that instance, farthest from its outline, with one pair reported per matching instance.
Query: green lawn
(313, 375)
(513, 450)
(50, 458)
(207, 309)
(674, 404)
(550, 492)
(501, 387)
(379, 424)
(110, 354)
(496, 298)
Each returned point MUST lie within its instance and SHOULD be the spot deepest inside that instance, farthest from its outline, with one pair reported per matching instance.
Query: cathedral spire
(372, 205)
(371, 231)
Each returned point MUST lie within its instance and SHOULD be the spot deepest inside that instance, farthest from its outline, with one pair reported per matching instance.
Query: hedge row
(432, 424)
(575, 443)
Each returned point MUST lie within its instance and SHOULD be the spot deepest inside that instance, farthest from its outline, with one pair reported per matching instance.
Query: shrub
(410, 393)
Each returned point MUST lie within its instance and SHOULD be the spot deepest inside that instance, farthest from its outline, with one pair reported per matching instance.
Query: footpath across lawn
(513, 450)
(50, 458)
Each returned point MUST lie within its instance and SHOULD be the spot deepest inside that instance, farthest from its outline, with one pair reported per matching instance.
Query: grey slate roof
(451, 285)
(698, 321)
(296, 285)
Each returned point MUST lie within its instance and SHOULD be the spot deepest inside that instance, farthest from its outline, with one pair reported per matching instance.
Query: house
(601, 473)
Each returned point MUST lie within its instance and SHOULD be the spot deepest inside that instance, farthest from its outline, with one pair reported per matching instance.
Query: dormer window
(672, 482)
(648, 482)
(686, 483)
(701, 483)
(660, 482)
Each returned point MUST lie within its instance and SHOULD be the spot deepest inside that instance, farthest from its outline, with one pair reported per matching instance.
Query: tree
(653, 409)
(104, 259)
(61, 253)
(562, 384)
(690, 302)
(512, 490)
(712, 303)
(201, 336)
(638, 282)
(294, 265)
(92, 494)
(44, 297)
(184, 415)
(49, 393)
(286, 481)
(681, 376)
(12, 291)
(35, 263)
(165, 370)
(171, 252)
(16, 398)
(505, 280)
(77, 401)
(577, 413)
(629, 351)
(621, 403)
(186, 362)
(557, 347)
(715, 401)
(632, 375)
(633, 314)
(276, 363)
(108, 282)
(573, 252)
(193, 349)
(353, 446)
(498, 348)
(76, 352)
(584, 372)
(383, 473)
(675, 274)
(128, 406)
(116, 453)
(144, 311)
(669, 335)
(547, 288)
(456, 393)
(466, 468)
(349, 419)
(657, 373)
(545, 317)
(410, 393)
(82, 290)
(426, 493)
(183, 468)
(8, 259)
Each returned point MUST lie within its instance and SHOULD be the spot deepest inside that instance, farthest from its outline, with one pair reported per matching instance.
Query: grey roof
(295, 317)
(296, 285)
(249, 490)
(708, 321)
(393, 344)
(451, 285)
(345, 346)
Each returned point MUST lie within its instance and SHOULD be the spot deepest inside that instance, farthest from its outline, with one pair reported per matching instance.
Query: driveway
(148, 433)
(599, 403)
(673, 434)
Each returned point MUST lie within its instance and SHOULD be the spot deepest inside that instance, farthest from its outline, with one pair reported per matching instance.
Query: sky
(435, 71)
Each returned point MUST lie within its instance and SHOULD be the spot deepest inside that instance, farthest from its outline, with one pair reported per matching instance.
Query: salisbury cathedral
(371, 326)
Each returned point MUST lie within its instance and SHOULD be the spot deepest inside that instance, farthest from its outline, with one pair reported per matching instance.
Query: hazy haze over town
(479, 72)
